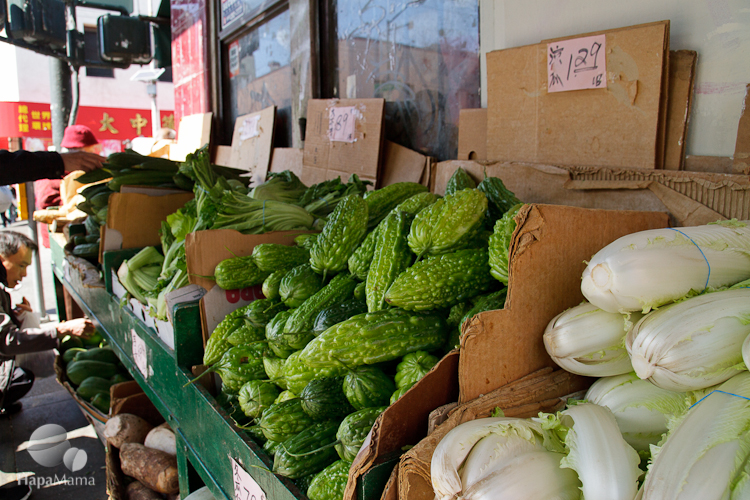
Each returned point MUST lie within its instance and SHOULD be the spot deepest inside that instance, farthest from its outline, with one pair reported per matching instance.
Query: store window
(421, 56)
(257, 74)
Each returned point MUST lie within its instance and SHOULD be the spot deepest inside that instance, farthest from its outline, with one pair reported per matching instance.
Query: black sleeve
(26, 166)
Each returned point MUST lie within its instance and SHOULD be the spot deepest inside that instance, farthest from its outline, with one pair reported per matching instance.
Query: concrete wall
(719, 30)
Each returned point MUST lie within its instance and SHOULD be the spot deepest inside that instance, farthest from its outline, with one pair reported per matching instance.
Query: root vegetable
(161, 438)
(126, 428)
(154, 468)
(138, 491)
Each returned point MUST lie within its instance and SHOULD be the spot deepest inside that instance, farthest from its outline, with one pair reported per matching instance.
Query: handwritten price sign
(577, 64)
(341, 122)
(245, 487)
(140, 355)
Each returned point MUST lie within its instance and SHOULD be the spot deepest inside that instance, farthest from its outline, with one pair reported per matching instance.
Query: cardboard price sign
(245, 487)
(341, 123)
(140, 354)
(576, 64)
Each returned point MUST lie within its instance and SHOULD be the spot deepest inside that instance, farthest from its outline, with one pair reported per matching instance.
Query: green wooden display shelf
(206, 436)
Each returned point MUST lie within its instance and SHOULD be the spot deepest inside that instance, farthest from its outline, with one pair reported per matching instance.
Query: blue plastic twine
(716, 390)
(701, 251)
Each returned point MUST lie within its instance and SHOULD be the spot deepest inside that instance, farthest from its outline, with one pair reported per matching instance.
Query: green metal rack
(207, 439)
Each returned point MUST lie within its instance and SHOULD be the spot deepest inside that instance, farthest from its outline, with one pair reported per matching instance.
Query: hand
(81, 160)
(23, 306)
(80, 327)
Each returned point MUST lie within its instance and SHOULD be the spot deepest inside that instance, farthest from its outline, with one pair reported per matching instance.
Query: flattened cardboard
(405, 422)
(134, 218)
(543, 390)
(742, 146)
(547, 254)
(205, 249)
(691, 198)
(361, 157)
(288, 159)
(401, 164)
(617, 126)
(223, 156)
(680, 102)
(472, 134)
(251, 149)
(713, 164)
(194, 132)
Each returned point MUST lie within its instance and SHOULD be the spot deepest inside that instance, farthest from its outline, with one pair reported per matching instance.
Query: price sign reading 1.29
(576, 64)
(341, 123)
(245, 487)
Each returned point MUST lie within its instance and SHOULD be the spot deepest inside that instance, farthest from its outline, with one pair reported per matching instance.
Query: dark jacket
(14, 340)
(27, 166)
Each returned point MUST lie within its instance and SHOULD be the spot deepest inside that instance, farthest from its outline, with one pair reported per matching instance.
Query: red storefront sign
(31, 119)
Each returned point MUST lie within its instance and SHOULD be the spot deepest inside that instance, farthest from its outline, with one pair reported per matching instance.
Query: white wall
(8, 85)
(719, 30)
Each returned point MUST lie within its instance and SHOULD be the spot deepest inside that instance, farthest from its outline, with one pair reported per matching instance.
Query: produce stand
(206, 437)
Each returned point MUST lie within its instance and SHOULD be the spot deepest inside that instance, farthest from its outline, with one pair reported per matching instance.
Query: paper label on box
(249, 128)
(140, 354)
(576, 64)
(341, 123)
(245, 487)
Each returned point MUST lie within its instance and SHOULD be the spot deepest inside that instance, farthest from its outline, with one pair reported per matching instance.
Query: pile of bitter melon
(355, 316)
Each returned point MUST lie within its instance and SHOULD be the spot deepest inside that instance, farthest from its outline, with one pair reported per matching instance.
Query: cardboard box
(402, 164)
(288, 159)
(691, 198)
(96, 418)
(544, 390)
(547, 257)
(135, 215)
(680, 102)
(337, 145)
(205, 249)
(622, 125)
(472, 134)
(405, 421)
(127, 397)
(252, 142)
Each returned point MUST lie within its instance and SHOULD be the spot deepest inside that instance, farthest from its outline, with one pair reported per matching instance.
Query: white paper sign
(245, 487)
(341, 122)
(249, 128)
(140, 354)
(580, 63)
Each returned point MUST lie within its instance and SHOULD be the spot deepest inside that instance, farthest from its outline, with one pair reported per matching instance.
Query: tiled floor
(48, 402)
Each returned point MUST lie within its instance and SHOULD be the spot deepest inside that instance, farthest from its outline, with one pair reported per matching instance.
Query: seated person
(16, 251)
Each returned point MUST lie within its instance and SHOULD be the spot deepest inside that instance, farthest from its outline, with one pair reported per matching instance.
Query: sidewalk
(48, 402)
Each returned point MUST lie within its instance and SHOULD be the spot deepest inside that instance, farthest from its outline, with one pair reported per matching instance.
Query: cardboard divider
(681, 85)
(541, 391)
(691, 198)
(405, 422)
(547, 257)
(252, 143)
(205, 249)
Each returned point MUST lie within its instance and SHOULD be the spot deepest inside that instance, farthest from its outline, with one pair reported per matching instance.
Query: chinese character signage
(28, 119)
(576, 64)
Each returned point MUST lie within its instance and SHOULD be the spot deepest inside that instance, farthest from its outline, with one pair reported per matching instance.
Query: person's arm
(14, 341)
(26, 166)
